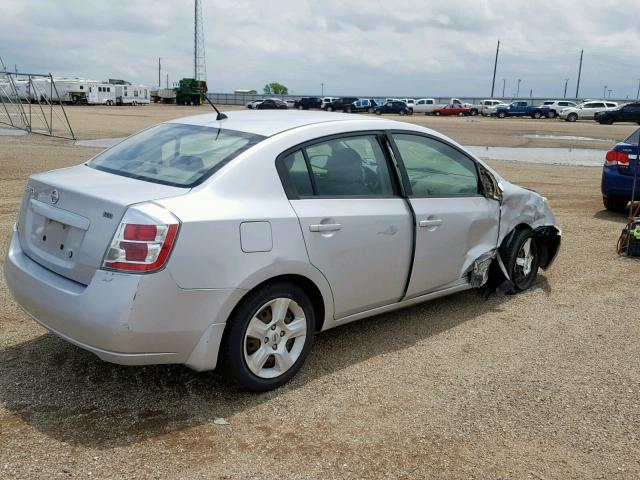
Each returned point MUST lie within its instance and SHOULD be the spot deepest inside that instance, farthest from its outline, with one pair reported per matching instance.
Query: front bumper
(124, 318)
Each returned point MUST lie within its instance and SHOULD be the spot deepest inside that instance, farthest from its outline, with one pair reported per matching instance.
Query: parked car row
(602, 111)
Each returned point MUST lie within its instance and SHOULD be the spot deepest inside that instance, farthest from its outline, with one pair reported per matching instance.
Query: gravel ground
(539, 385)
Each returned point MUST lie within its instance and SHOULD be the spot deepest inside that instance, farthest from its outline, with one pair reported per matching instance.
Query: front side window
(435, 168)
(352, 166)
(174, 154)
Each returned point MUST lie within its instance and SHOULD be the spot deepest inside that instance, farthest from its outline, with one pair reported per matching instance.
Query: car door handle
(325, 227)
(430, 223)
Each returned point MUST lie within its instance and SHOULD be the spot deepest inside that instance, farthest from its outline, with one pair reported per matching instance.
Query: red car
(452, 110)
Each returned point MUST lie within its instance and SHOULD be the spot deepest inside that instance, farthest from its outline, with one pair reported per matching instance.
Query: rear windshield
(633, 138)
(174, 154)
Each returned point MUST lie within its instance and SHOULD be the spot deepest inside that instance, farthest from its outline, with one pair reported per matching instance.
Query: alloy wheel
(524, 262)
(275, 338)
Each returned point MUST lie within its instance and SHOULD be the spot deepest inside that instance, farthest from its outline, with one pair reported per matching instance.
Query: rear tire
(437, 114)
(402, 113)
(536, 115)
(615, 204)
(572, 117)
(501, 114)
(282, 316)
(473, 112)
(521, 259)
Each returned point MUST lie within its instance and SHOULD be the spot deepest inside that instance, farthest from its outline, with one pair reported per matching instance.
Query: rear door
(357, 229)
(455, 223)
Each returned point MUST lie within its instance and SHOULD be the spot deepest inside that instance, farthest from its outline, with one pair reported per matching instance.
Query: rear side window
(435, 168)
(174, 154)
(352, 166)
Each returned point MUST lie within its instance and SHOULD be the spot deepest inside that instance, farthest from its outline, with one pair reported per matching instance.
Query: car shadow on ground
(74, 397)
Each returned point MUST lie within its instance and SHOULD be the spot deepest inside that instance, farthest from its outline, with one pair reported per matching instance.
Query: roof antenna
(221, 116)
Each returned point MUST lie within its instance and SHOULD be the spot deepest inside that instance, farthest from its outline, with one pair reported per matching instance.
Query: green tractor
(191, 92)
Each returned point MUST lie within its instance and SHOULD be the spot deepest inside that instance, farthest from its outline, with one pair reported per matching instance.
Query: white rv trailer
(101, 94)
(132, 95)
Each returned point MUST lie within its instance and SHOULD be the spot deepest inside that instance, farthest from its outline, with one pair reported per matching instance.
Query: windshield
(633, 138)
(174, 154)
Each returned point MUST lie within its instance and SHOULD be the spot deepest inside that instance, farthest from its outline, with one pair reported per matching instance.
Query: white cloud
(404, 47)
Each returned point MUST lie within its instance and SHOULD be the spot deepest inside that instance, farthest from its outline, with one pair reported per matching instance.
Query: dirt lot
(540, 385)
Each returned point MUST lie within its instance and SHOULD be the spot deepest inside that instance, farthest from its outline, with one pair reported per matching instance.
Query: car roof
(272, 122)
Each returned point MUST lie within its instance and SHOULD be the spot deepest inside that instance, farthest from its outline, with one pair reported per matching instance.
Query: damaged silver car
(230, 241)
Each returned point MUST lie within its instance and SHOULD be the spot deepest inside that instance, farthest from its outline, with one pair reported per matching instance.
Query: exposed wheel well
(547, 239)
(309, 288)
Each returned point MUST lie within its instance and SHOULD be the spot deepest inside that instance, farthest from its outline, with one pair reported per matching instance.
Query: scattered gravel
(539, 385)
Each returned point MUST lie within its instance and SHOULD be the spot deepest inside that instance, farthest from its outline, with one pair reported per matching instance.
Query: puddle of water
(12, 132)
(567, 137)
(98, 142)
(550, 156)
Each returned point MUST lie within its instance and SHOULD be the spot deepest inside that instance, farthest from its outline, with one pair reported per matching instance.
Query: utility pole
(167, 84)
(199, 59)
(638, 94)
(322, 89)
(604, 93)
(610, 92)
(566, 81)
(159, 68)
(530, 94)
(504, 83)
(495, 67)
(579, 72)
(518, 91)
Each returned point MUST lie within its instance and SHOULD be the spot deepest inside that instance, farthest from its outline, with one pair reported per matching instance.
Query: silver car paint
(373, 241)
(452, 233)
(178, 314)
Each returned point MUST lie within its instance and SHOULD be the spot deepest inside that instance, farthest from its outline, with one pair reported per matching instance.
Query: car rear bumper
(615, 183)
(123, 318)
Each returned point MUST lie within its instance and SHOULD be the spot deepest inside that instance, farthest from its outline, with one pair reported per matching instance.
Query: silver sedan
(230, 243)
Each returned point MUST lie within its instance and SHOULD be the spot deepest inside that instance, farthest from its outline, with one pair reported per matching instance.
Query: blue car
(617, 173)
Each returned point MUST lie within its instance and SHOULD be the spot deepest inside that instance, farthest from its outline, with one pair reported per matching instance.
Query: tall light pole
(610, 92)
(604, 93)
(518, 90)
(159, 68)
(579, 72)
(566, 81)
(504, 83)
(638, 94)
(322, 89)
(495, 67)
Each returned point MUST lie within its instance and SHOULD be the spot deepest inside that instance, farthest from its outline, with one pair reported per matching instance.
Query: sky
(403, 48)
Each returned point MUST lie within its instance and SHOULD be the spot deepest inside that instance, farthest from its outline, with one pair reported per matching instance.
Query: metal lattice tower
(199, 62)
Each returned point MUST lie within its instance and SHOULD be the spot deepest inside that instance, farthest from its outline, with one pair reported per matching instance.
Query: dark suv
(308, 102)
(627, 113)
(344, 104)
(394, 107)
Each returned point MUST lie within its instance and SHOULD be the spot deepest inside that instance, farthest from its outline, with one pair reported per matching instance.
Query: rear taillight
(615, 157)
(143, 240)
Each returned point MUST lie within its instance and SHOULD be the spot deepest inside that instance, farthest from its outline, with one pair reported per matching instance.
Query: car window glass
(435, 168)
(299, 179)
(350, 166)
(633, 138)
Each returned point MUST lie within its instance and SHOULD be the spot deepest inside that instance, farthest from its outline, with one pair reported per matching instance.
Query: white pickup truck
(424, 105)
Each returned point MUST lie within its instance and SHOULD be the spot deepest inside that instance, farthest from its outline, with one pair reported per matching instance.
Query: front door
(455, 223)
(357, 229)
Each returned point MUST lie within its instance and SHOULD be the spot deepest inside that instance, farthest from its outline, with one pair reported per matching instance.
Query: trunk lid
(632, 151)
(68, 216)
